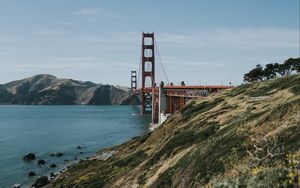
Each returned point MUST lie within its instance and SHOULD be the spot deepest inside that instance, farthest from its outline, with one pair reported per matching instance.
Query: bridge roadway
(168, 99)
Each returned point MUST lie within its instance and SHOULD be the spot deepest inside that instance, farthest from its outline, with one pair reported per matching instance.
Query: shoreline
(102, 154)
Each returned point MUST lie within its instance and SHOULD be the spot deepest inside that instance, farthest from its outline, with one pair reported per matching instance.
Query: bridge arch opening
(148, 41)
(148, 82)
(148, 66)
(148, 53)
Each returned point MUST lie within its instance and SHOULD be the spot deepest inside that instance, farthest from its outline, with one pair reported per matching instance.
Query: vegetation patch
(202, 107)
(265, 178)
(184, 139)
(141, 180)
(208, 160)
(238, 90)
(132, 160)
(290, 138)
(278, 84)
(187, 106)
(296, 89)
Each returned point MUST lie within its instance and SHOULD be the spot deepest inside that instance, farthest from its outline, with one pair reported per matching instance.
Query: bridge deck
(184, 91)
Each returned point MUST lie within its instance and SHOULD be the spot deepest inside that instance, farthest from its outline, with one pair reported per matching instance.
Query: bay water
(44, 130)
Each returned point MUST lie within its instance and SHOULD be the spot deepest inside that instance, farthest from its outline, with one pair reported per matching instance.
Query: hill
(248, 136)
(46, 89)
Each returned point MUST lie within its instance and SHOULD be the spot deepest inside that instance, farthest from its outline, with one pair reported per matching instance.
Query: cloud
(48, 32)
(7, 53)
(130, 39)
(204, 64)
(74, 59)
(95, 14)
(240, 38)
(64, 23)
(88, 12)
(9, 39)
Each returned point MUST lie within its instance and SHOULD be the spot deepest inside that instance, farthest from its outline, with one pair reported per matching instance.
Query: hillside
(248, 136)
(46, 89)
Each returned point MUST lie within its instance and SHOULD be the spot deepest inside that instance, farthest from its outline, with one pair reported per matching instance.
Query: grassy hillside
(248, 136)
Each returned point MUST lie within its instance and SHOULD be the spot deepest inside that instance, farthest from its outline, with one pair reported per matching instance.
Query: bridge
(165, 99)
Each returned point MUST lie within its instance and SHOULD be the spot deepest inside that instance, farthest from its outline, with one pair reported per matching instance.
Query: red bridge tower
(148, 72)
(133, 86)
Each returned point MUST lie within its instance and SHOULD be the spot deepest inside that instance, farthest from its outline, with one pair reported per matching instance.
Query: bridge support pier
(163, 108)
(155, 107)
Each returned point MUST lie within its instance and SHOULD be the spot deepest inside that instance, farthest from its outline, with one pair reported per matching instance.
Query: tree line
(273, 70)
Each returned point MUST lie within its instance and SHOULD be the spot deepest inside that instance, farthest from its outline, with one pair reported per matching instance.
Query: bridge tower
(133, 86)
(148, 72)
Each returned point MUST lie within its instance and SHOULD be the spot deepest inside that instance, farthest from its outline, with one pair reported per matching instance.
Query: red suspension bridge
(163, 99)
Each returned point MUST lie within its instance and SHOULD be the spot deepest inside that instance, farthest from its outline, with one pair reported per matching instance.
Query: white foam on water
(153, 126)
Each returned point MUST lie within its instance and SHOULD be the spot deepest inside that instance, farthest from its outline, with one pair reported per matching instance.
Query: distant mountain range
(45, 89)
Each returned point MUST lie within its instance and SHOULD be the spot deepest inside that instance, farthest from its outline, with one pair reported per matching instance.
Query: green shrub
(132, 160)
(267, 178)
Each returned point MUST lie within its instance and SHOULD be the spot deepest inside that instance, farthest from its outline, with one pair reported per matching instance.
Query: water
(49, 129)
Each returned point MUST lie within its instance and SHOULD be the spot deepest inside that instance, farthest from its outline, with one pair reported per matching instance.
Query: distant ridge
(46, 89)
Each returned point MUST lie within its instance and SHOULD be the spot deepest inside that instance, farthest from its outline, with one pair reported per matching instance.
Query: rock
(66, 160)
(52, 175)
(31, 173)
(79, 147)
(75, 158)
(52, 165)
(29, 157)
(81, 152)
(41, 162)
(56, 154)
(41, 181)
(17, 186)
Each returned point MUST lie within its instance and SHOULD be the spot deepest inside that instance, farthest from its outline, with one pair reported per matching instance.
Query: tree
(296, 65)
(276, 68)
(255, 74)
(273, 70)
(288, 66)
(269, 71)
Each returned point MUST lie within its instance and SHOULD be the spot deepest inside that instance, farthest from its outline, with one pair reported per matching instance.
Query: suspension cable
(139, 71)
(162, 65)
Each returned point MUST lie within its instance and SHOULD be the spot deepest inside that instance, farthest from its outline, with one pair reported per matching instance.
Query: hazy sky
(200, 41)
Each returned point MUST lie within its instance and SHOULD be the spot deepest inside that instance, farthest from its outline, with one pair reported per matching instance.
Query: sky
(199, 41)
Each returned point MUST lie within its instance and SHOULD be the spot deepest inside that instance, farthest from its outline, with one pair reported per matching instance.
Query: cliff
(46, 89)
(248, 136)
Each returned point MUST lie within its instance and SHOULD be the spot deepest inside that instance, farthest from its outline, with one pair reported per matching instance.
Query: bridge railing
(187, 93)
